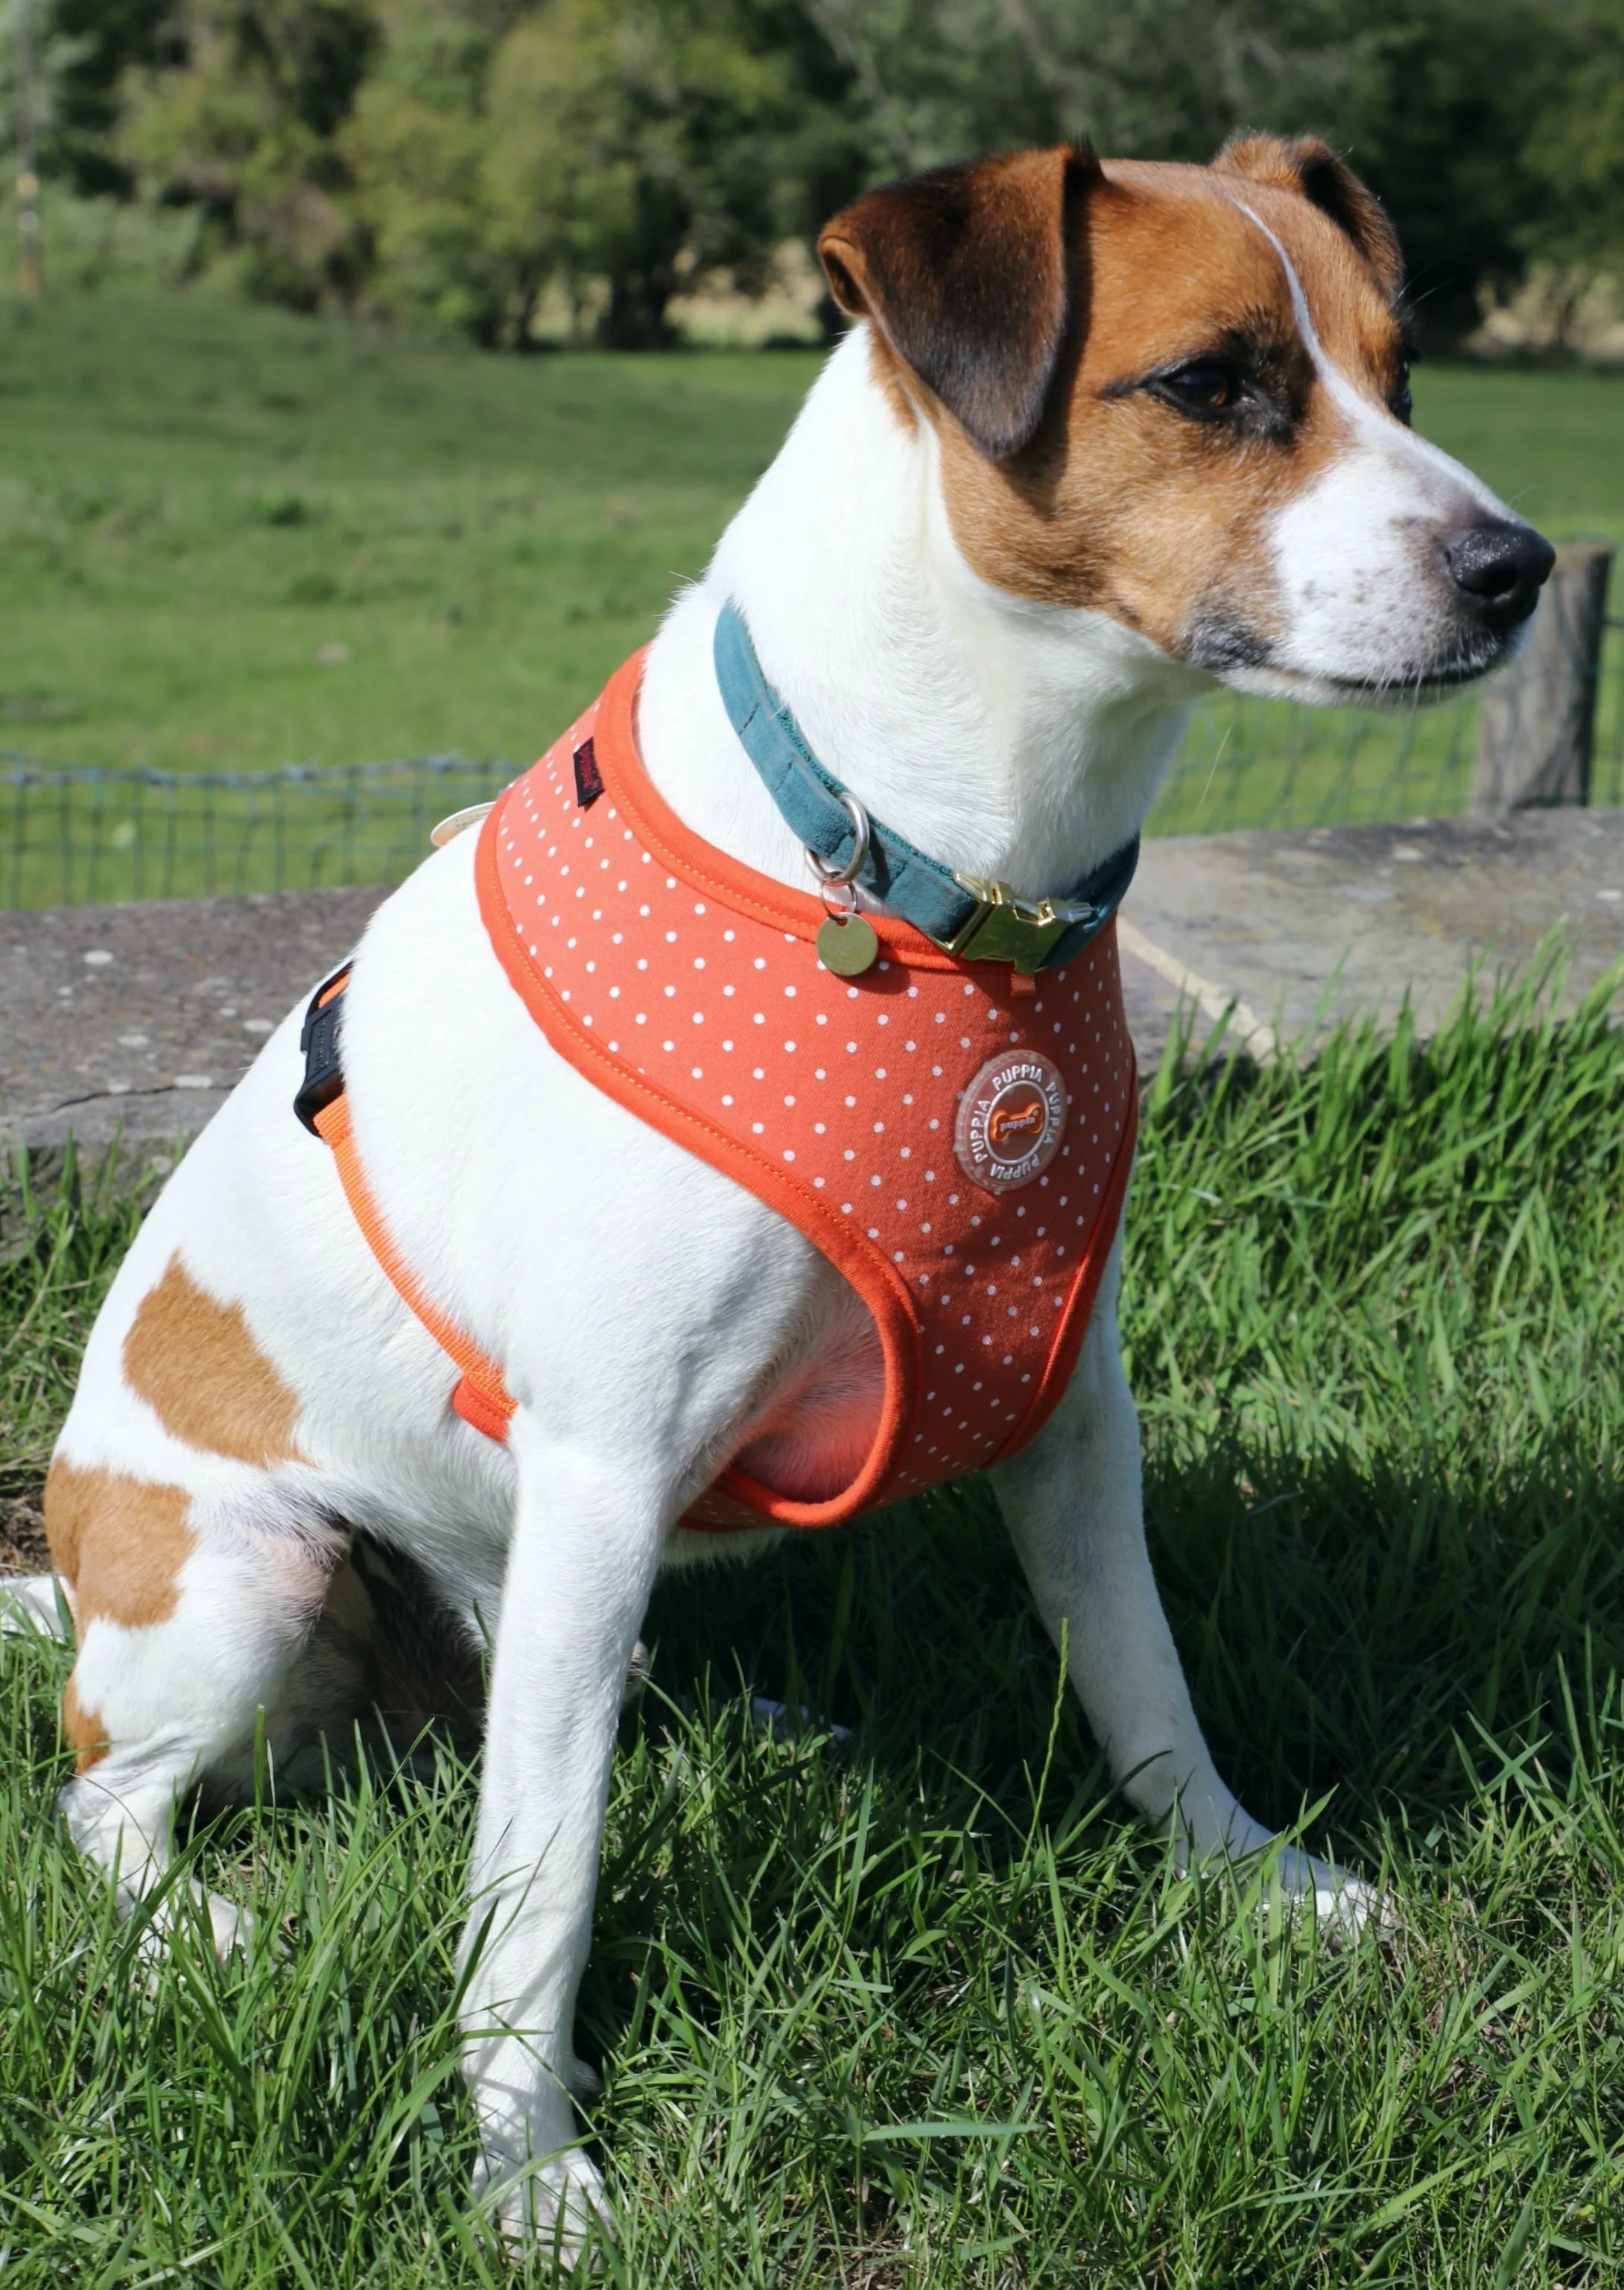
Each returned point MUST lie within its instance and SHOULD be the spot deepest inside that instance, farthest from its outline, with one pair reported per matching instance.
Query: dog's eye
(1201, 386)
(1400, 404)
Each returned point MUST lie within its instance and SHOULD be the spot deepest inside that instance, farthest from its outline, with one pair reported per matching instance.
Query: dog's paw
(31, 1605)
(556, 2206)
(1341, 1901)
(228, 1927)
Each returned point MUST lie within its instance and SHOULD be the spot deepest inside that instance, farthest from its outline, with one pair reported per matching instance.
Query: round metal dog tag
(449, 830)
(846, 944)
(1011, 1120)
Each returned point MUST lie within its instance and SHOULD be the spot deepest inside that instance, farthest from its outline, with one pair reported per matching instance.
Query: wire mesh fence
(72, 834)
(75, 834)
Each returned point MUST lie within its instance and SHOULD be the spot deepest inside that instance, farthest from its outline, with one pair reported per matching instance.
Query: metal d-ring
(836, 878)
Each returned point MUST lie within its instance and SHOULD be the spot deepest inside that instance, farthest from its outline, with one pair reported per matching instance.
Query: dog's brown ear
(1313, 168)
(965, 273)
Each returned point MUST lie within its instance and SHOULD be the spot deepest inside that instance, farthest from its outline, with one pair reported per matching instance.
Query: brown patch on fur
(120, 1542)
(1312, 169)
(1121, 502)
(963, 273)
(84, 1732)
(195, 1363)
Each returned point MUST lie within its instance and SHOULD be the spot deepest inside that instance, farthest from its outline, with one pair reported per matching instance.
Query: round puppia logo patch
(1010, 1121)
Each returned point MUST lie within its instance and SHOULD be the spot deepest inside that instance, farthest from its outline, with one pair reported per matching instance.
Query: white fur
(645, 1310)
(1363, 589)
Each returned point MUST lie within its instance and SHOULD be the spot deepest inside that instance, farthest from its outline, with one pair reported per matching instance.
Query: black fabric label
(589, 779)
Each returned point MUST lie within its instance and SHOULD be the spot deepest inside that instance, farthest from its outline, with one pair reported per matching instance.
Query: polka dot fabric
(689, 988)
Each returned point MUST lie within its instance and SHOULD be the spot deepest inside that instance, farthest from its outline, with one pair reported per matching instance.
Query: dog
(1100, 435)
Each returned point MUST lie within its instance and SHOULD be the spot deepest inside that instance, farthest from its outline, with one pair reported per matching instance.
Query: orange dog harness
(957, 1150)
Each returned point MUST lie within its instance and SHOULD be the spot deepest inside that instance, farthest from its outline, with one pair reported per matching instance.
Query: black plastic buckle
(324, 1075)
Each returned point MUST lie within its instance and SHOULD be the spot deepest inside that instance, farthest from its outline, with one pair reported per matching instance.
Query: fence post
(1537, 731)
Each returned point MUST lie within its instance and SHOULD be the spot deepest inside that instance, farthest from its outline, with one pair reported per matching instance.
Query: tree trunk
(636, 318)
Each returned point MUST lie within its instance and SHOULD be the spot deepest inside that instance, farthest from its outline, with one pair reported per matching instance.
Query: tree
(634, 142)
(1575, 148)
(243, 121)
(95, 43)
(455, 158)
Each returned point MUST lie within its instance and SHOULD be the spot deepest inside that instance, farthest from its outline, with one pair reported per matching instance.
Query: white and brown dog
(1101, 434)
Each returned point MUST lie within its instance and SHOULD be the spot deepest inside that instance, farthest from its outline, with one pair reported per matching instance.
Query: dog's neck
(1008, 738)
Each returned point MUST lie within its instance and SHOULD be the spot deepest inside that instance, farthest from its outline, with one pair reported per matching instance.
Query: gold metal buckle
(1005, 927)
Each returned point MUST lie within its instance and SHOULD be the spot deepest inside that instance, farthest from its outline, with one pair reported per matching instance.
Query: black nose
(1500, 570)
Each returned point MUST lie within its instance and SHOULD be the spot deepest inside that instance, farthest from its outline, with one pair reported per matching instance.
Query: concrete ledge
(140, 1018)
(1300, 930)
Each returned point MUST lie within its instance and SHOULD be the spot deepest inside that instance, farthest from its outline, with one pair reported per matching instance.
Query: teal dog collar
(962, 914)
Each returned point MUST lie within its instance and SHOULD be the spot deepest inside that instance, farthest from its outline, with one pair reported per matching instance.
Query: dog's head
(1178, 395)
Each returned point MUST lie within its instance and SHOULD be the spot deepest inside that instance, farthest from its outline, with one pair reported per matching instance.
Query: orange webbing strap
(481, 1399)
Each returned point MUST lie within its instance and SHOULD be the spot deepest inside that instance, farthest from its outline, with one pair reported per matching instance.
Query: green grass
(197, 498)
(929, 2009)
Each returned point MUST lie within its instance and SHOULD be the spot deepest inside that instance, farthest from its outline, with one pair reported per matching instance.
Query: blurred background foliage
(510, 169)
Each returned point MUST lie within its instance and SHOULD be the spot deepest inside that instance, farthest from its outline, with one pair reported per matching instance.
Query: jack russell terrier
(732, 1135)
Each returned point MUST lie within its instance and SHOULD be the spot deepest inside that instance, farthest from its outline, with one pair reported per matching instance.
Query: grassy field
(927, 2008)
(197, 498)
(232, 539)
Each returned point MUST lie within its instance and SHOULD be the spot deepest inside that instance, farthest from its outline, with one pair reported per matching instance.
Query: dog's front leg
(586, 1546)
(1074, 1506)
